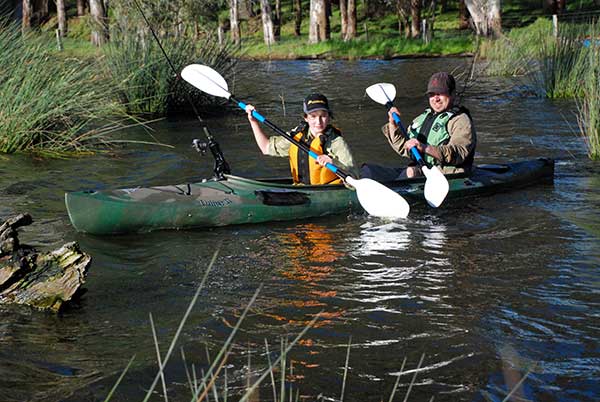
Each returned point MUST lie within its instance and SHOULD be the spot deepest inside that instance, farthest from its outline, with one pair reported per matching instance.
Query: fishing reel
(200, 147)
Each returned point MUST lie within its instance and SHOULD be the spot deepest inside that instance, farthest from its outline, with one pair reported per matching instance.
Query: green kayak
(236, 200)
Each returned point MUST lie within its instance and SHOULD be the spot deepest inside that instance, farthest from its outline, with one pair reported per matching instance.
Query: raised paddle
(436, 184)
(374, 197)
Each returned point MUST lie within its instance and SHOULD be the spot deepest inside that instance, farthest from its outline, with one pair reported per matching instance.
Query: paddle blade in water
(378, 200)
(382, 92)
(206, 79)
(436, 186)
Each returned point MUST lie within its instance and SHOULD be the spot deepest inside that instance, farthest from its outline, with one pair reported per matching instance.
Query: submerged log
(45, 281)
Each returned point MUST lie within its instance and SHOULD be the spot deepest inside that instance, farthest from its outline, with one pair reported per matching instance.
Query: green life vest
(438, 132)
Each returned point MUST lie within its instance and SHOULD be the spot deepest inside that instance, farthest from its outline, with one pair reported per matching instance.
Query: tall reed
(143, 77)
(50, 105)
(516, 53)
(589, 104)
(563, 61)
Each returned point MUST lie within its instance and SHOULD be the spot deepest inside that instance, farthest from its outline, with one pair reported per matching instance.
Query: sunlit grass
(377, 46)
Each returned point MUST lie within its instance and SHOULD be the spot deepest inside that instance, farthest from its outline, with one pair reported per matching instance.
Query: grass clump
(515, 54)
(589, 105)
(143, 76)
(51, 105)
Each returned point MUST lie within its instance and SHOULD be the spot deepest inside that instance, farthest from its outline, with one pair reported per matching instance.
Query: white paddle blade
(378, 200)
(382, 92)
(436, 186)
(206, 79)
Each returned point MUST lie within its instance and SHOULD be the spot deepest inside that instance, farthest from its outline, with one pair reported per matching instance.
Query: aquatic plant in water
(589, 105)
(143, 77)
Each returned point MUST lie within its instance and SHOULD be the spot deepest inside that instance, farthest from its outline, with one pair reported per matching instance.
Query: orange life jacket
(305, 169)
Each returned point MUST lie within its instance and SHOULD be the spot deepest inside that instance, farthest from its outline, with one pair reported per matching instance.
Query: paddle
(436, 184)
(375, 198)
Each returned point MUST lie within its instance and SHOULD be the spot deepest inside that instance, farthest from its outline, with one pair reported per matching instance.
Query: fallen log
(42, 280)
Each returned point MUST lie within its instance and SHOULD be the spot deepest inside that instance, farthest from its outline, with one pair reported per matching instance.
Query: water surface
(485, 289)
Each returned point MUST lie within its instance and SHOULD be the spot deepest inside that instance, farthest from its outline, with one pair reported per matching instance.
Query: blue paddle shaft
(413, 150)
(279, 131)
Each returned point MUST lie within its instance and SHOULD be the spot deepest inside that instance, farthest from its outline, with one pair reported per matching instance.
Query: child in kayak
(315, 131)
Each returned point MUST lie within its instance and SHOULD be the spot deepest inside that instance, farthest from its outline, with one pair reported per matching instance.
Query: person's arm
(341, 156)
(394, 134)
(259, 135)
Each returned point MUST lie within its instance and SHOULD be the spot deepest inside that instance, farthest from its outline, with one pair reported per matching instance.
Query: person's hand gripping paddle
(377, 199)
(436, 184)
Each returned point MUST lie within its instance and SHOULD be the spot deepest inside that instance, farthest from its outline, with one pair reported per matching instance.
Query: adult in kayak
(316, 131)
(443, 134)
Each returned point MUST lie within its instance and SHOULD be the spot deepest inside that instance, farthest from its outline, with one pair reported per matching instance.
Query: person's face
(439, 102)
(317, 121)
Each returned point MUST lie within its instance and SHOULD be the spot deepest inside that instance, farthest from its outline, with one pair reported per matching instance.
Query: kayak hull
(237, 200)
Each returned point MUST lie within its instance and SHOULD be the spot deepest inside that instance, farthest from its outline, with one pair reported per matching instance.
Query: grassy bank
(378, 38)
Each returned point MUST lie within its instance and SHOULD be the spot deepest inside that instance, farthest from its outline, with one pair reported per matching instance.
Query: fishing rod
(221, 165)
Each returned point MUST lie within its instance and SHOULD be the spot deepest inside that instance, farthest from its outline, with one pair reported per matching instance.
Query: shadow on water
(484, 287)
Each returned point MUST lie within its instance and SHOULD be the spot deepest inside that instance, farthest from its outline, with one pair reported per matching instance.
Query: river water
(484, 291)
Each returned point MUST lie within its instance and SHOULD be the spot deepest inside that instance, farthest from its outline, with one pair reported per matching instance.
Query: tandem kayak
(237, 200)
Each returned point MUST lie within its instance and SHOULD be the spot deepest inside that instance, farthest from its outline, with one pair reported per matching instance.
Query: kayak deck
(237, 200)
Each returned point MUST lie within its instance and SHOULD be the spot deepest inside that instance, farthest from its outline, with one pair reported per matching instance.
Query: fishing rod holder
(221, 167)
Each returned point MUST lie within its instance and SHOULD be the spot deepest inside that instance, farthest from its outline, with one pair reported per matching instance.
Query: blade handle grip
(255, 114)
(413, 150)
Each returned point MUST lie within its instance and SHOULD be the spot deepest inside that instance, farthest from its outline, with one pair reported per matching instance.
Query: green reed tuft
(563, 61)
(516, 53)
(143, 77)
(589, 104)
(50, 105)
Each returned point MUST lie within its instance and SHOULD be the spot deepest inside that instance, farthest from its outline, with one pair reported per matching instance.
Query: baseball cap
(441, 83)
(314, 102)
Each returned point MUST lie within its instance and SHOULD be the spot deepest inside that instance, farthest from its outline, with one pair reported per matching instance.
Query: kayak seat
(282, 198)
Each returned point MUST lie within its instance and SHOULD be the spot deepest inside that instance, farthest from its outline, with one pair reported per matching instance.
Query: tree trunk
(415, 17)
(43, 11)
(277, 20)
(327, 19)
(80, 8)
(298, 17)
(27, 14)
(318, 17)
(62, 17)
(268, 33)
(99, 23)
(343, 18)
(494, 17)
(351, 28)
(403, 23)
(463, 15)
(235, 22)
(247, 5)
(486, 16)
